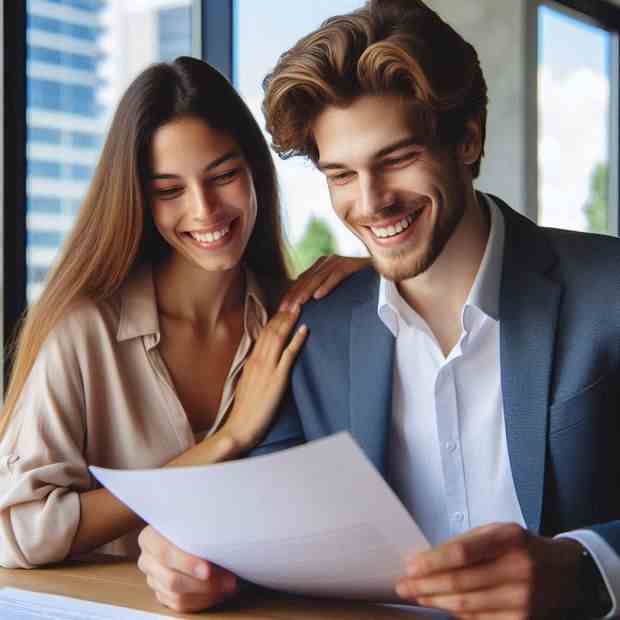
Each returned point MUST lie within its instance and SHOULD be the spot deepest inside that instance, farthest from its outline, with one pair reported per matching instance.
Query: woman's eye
(226, 177)
(167, 192)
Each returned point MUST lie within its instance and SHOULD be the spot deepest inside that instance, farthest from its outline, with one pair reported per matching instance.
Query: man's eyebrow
(234, 154)
(410, 141)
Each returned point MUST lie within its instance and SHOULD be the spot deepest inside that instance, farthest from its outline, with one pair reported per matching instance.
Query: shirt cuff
(606, 559)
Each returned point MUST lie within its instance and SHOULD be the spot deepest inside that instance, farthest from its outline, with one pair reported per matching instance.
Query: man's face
(403, 199)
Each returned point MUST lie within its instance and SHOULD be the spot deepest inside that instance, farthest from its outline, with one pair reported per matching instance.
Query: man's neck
(439, 294)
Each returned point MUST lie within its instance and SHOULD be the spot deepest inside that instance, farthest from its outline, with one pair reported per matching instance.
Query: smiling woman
(203, 198)
(132, 357)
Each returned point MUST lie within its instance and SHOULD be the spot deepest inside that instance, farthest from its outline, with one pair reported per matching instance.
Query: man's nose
(373, 194)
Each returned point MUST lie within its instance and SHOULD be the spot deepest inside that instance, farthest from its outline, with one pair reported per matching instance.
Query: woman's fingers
(306, 284)
(332, 276)
(290, 352)
(275, 336)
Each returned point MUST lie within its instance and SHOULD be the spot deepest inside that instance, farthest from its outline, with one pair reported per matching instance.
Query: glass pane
(81, 55)
(574, 120)
(259, 38)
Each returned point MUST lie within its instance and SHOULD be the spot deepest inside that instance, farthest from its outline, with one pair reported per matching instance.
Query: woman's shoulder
(88, 317)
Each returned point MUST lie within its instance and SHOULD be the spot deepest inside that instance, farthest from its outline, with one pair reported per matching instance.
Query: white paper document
(22, 605)
(317, 519)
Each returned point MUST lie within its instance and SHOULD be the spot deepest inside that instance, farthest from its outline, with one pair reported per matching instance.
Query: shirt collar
(139, 317)
(484, 293)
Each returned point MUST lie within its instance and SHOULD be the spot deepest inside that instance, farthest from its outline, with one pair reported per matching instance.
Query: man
(479, 371)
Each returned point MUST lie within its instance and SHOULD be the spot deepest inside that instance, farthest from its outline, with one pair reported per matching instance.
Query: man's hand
(181, 581)
(495, 571)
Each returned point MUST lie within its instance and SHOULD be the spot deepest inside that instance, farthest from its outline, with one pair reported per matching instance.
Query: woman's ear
(470, 148)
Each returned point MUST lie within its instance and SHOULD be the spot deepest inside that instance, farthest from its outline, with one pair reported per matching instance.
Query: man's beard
(403, 264)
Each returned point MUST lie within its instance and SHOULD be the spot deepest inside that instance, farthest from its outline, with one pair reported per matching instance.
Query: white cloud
(573, 137)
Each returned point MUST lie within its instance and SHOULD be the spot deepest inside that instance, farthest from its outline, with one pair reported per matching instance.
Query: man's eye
(403, 159)
(226, 177)
(340, 179)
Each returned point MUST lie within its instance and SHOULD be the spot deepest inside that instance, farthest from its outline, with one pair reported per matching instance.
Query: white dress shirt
(448, 456)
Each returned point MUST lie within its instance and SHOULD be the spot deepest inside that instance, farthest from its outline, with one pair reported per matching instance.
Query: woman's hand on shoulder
(321, 278)
(264, 379)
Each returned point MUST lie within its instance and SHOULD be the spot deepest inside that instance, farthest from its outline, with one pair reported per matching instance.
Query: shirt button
(459, 516)
(450, 446)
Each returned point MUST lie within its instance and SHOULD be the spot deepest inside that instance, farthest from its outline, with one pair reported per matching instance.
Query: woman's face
(202, 194)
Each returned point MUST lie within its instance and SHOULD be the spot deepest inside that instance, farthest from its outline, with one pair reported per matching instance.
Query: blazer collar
(529, 306)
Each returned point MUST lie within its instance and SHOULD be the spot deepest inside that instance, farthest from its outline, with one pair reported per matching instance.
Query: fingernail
(201, 571)
(402, 590)
(283, 307)
(413, 568)
(294, 308)
(230, 584)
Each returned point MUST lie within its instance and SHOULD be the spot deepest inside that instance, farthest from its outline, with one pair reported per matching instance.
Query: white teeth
(396, 229)
(210, 237)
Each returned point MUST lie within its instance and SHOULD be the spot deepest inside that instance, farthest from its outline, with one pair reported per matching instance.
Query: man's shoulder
(586, 257)
(360, 287)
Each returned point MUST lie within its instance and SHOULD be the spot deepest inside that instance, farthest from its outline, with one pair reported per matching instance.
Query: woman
(131, 358)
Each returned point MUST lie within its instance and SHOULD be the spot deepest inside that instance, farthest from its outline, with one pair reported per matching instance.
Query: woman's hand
(324, 276)
(264, 379)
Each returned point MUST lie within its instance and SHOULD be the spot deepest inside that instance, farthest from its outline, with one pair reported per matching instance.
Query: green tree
(318, 240)
(596, 207)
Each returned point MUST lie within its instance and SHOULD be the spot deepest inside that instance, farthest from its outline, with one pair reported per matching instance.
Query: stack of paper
(22, 605)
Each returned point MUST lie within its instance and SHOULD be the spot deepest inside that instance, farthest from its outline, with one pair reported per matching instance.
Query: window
(80, 58)
(258, 40)
(65, 59)
(575, 127)
(44, 135)
(61, 27)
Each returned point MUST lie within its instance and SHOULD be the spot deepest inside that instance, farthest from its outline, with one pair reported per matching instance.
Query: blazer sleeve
(42, 467)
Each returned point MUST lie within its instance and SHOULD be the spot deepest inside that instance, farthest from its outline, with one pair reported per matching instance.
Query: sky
(573, 114)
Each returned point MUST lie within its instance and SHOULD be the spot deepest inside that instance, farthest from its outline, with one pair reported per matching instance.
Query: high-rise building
(64, 135)
(81, 56)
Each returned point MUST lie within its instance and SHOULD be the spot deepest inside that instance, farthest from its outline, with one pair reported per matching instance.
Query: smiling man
(478, 366)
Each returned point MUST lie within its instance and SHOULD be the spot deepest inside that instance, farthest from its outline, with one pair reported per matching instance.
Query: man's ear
(470, 148)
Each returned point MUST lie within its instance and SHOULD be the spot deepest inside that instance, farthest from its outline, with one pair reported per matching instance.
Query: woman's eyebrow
(234, 154)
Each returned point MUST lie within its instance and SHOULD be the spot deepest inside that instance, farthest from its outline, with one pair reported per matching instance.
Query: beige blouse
(98, 394)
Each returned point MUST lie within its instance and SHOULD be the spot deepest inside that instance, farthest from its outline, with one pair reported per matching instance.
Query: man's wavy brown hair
(387, 47)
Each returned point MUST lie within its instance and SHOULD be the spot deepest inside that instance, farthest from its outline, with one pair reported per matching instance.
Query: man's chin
(400, 267)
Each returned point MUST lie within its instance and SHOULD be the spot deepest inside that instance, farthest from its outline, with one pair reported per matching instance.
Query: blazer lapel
(529, 305)
(370, 378)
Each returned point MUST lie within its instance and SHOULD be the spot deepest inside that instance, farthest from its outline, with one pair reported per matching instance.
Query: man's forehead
(362, 129)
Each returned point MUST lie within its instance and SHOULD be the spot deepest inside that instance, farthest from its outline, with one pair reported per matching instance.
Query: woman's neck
(187, 292)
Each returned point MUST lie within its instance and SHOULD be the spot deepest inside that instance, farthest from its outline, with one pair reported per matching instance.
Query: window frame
(213, 29)
(606, 16)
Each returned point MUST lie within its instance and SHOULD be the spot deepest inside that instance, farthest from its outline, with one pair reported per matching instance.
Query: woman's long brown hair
(114, 230)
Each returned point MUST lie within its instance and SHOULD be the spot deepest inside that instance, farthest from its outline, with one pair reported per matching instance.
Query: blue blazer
(560, 374)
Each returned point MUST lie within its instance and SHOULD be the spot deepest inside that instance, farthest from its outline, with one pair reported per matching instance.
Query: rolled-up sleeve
(42, 467)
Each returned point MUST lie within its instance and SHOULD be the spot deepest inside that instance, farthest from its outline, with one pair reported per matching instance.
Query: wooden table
(119, 582)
